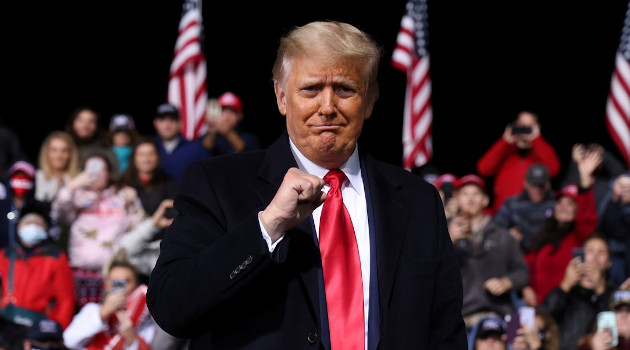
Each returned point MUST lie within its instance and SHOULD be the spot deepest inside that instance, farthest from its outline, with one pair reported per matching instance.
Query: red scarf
(137, 310)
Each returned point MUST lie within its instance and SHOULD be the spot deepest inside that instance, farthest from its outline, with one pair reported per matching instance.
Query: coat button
(312, 337)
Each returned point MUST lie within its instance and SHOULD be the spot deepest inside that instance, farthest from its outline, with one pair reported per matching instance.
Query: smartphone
(516, 129)
(513, 324)
(118, 284)
(607, 320)
(94, 166)
(578, 253)
(527, 316)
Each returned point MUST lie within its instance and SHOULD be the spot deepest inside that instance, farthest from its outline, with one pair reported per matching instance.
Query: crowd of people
(561, 251)
(81, 226)
(80, 233)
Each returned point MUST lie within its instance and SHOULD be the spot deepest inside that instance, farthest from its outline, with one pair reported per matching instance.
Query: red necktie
(342, 269)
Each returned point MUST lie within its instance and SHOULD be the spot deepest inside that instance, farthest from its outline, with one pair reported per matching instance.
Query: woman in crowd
(58, 162)
(574, 219)
(83, 126)
(146, 176)
(99, 212)
(603, 339)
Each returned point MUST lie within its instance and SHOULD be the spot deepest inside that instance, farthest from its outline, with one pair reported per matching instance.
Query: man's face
(167, 128)
(523, 141)
(325, 105)
(472, 200)
(536, 193)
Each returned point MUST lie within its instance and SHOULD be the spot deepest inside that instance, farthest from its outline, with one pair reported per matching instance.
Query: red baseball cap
(471, 179)
(568, 190)
(230, 100)
(445, 179)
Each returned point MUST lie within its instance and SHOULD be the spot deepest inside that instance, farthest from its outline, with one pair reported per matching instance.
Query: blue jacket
(185, 153)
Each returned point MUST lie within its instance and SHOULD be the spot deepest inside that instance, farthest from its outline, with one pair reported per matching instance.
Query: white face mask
(32, 234)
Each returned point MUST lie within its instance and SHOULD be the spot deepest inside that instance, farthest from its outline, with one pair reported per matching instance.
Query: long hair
(97, 137)
(72, 167)
(552, 233)
(551, 341)
(131, 177)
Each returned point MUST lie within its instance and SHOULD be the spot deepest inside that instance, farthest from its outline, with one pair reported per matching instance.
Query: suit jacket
(216, 282)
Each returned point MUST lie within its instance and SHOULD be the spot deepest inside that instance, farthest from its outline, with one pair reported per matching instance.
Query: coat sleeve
(489, 163)
(195, 272)
(63, 284)
(448, 330)
(519, 271)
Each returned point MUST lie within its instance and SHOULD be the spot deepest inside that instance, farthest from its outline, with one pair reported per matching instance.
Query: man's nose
(327, 102)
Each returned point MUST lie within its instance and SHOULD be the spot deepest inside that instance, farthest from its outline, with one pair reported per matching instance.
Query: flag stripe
(410, 56)
(187, 81)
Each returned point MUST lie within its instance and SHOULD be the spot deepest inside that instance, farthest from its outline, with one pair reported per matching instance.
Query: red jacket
(42, 282)
(508, 166)
(546, 267)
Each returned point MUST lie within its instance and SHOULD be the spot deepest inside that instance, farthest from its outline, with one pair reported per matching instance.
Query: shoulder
(397, 174)
(230, 163)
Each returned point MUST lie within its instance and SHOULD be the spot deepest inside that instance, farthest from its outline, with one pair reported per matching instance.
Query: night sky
(488, 60)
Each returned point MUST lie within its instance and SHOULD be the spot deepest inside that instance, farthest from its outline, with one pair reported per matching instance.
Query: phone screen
(578, 253)
(527, 316)
(607, 320)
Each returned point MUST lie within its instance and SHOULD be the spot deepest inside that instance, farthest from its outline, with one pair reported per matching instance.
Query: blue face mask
(122, 153)
(32, 234)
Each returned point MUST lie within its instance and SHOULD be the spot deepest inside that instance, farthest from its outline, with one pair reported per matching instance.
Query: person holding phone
(491, 262)
(508, 159)
(122, 320)
(603, 337)
(583, 293)
(98, 212)
(574, 219)
(542, 335)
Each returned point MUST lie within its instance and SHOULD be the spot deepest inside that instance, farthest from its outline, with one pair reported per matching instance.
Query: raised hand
(299, 194)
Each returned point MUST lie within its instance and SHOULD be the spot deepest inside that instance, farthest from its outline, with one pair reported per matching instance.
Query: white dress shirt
(354, 199)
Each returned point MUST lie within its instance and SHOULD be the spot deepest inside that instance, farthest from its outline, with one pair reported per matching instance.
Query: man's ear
(486, 200)
(280, 98)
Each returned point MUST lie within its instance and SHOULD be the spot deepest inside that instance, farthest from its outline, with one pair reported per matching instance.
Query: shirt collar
(351, 167)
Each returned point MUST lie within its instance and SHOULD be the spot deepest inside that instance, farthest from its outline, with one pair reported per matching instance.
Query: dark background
(488, 60)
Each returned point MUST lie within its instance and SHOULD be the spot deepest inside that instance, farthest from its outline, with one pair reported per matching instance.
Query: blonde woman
(58, 162)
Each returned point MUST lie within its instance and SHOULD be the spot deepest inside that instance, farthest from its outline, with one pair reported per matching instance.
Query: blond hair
(72, 168)
(337, 40)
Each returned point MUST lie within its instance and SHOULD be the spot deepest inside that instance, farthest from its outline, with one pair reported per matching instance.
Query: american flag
(412, 57)
(187, 81)
(618, 104)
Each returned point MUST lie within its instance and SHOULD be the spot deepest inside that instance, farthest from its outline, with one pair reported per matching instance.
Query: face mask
(32, 234)
(21, 184)
(122, 153)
